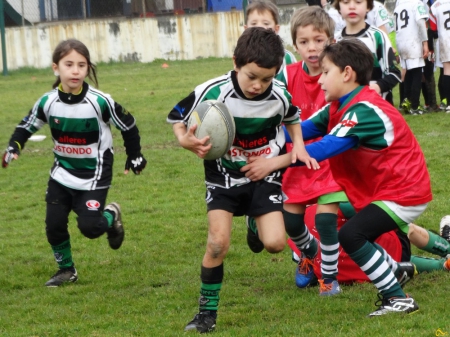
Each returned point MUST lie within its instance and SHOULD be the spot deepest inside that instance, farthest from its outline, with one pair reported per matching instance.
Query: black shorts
(253, 199)
(83, 203)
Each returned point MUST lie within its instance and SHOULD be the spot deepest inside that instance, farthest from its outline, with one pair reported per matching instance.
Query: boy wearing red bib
(375, 158)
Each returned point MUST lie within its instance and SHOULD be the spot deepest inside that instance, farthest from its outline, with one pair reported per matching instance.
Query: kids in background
(259, 107)
(311, 29)
(265, 14)
(412, 46)
(79, 117)
(339, 22)
(439, 22)
(379, 17)
(438, 64)
(375, 158)
(428, 81)
(385, 74)
(394, 245)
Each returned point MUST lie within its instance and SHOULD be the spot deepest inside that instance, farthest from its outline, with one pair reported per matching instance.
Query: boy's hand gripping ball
(214, 120)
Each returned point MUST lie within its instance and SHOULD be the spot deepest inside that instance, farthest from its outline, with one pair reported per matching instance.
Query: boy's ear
(348, 73)
(234, 64)
(277, 28)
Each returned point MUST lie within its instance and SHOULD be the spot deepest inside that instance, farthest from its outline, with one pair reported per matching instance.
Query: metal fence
(29, 12)
(26, 12)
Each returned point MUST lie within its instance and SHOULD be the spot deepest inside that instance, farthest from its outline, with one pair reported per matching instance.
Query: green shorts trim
(400, 223)
(332, 197)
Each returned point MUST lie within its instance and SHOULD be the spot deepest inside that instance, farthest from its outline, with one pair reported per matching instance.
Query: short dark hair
(314, 16)
(353, 53)
(261, 46)
(338, 7)
(261, 6)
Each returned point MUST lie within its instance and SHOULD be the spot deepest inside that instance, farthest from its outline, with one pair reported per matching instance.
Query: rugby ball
(214, 120)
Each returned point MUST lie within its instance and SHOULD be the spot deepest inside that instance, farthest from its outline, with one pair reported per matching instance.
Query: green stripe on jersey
(254, 125)
(73, 124)
(233, 165)
(77, 163)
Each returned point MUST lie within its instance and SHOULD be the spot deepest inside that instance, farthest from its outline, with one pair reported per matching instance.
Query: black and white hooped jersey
(258, 126)
(80, 128)
(385, 72)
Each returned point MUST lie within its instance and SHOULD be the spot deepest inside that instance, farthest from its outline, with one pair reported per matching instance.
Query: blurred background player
(385, 75)
(428, 80)
(265, 14)
(79, 117)
(439, 22)
(412, 46)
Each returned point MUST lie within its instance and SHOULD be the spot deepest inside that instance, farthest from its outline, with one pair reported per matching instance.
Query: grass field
(150, 286)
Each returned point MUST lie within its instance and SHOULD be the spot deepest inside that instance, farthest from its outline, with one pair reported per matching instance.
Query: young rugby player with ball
(259, 106)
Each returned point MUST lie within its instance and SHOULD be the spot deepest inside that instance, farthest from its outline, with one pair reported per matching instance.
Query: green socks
(437, 245)
(372, 262)
(63, 254)
(299, 234)
(109, 217)
(210, 288)
(326, 225)
(426, 265)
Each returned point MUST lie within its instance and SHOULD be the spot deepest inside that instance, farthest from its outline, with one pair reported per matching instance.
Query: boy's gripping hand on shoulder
(11, 153)
(187, 139)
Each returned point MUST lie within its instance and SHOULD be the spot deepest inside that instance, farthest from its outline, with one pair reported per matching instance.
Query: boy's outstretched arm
(329, 146)
(298, 151)
(16, 143)
(187, 139)
(258, 167)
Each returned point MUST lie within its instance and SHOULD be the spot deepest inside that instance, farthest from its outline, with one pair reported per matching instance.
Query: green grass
(150, 286)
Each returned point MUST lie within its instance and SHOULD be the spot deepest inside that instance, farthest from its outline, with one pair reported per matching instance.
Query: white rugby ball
(214, 120)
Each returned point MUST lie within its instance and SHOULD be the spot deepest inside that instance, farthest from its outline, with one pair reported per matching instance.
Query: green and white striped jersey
(80, 128)
(385, 71)
(258, 126)
(289, 58)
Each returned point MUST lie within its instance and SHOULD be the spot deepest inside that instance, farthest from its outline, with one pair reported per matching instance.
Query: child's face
(332, 80)
(253, 79)
(308, 44)
(264, 20)
(353, 11)
(72, 69)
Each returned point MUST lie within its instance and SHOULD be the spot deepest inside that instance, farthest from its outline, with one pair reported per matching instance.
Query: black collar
(70, 98)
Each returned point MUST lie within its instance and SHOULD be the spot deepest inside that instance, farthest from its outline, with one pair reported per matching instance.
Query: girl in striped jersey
(79, 117)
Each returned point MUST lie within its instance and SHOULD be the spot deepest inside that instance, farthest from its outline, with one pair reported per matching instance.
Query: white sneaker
(444, 227)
